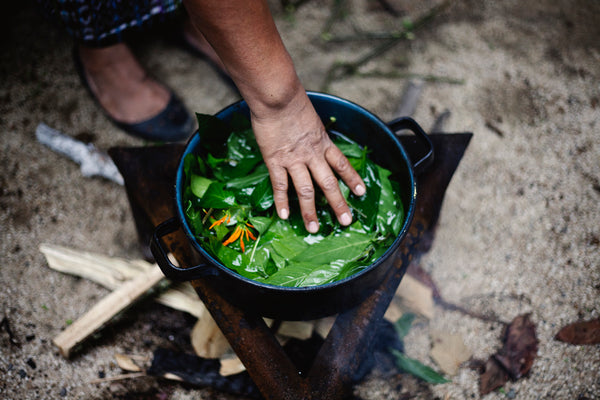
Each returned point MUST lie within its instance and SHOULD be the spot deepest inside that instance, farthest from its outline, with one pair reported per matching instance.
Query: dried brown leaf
(493, 377)
(520, 347)
(584, 332)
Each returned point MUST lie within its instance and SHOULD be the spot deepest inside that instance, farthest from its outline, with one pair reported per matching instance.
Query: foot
(120, 84)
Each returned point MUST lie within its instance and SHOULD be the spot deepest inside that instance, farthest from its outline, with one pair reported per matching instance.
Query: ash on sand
(519, 230)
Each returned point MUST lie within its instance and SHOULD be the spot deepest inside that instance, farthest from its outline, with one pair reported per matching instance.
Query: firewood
(105, 310)
(112, 272)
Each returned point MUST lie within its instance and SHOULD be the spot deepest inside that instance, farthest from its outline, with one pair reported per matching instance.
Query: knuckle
(329, 183)
(342, 164)
(339, 206)
(306, 192)
(280, 186)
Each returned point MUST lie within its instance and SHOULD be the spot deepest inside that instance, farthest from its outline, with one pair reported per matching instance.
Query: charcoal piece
(381, 358)
(201, 372)
(303, 352)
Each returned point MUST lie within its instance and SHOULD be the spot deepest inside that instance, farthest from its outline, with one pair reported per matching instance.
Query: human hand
(293, 141)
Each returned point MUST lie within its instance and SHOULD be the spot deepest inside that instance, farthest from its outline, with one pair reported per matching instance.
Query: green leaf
(199, 184)
(217, 197)
(261, 224)
(293, 275)
(258, 175)
(417, 369)
(238, 262)
(212, 130)
(349, 148)
(262, 196)
(403, 324)
(368, 204)
(390, 213)
(346, 246)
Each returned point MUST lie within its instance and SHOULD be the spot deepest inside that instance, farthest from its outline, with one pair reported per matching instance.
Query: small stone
(63, 392)
(31, 363)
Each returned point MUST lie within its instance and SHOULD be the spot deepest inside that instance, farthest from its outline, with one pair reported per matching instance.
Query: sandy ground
(519, 230)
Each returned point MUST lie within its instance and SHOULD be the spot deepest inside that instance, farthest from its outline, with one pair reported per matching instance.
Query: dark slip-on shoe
(173, 124)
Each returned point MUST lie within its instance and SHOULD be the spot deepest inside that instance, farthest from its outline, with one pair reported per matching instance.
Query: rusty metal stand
(149, 179)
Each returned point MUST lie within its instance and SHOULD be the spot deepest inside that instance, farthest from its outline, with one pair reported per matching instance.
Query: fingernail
(313, 227)
(359, 190)
(284, 213)
(345, 219)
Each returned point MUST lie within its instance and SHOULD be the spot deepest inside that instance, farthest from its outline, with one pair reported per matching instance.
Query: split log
(105, 310)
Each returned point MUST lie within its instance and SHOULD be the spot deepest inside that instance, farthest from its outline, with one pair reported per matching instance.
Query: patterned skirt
(98, 23)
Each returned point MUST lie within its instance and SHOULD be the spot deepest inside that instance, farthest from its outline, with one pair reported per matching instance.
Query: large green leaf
(217, 197)
(345, 246)
(258, 175)
(366, 206)
(199, 184)
(390, 213)
(238, 262)
(262, 196)
(349, 148)
(293, 275)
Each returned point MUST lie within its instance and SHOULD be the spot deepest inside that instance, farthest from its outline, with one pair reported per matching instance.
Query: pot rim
(213, 262)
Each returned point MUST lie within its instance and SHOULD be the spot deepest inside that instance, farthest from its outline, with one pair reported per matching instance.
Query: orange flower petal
(234, 236)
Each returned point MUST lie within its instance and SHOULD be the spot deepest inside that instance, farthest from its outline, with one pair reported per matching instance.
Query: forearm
(245, 37)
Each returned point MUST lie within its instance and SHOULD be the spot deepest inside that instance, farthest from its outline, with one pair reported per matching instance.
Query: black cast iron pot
(312, 302)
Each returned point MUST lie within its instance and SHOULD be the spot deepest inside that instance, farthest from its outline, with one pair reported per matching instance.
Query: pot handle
(408, 123)
(170, 270)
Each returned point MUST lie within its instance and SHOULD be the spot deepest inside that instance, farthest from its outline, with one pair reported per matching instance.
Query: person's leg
(121, 86)
(132, 99)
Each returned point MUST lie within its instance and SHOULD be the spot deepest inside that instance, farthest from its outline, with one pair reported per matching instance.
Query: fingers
(342, 167)
(326, 180)
(279, 182)
(306, 196)
(328, 183)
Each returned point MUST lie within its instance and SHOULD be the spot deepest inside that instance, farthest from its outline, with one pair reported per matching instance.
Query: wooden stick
(112, 272)
(105, 310)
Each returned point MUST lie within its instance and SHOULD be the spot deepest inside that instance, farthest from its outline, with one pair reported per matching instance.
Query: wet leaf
(584, 332)
(216, 196)
(347, 246)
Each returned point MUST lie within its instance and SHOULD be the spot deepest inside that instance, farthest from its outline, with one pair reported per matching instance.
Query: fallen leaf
(520, 347)
(493, 376)
(418, 369)
(126, 363)
(584, 332)
(449, 351)
(231, 365)
(207, 339)
(515, 358)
